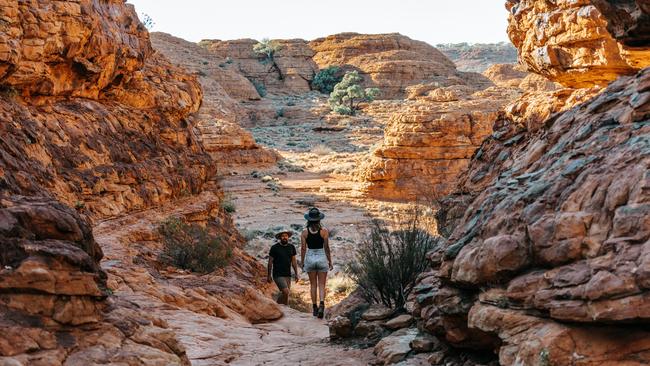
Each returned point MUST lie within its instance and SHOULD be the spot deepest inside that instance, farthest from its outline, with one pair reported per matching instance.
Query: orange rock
(390, 62)
(568, 42)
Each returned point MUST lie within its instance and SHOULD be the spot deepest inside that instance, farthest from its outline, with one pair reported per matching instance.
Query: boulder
(395, 347)
(399, 322)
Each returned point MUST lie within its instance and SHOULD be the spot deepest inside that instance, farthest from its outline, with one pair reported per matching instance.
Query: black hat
(277, 236)
(314, 215)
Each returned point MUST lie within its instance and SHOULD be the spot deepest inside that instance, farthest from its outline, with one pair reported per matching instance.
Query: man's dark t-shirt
(282, 259)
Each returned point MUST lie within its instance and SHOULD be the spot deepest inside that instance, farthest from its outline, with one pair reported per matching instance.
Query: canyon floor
(316, 168)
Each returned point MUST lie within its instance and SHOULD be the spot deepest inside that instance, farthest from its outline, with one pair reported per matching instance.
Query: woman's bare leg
(313, 282)
(322, 281)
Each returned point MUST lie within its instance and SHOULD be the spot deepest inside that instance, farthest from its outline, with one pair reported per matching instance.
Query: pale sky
(432, 21)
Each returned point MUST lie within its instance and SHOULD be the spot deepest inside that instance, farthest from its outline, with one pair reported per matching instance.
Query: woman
(315, 257)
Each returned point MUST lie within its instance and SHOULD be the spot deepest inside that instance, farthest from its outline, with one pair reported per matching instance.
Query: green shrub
(261, 89)
(267, 48)
(386, 265)
(326, 79)
(8, 91)
(190, 246)
(279, 113)
(348, 94)
(228, 205)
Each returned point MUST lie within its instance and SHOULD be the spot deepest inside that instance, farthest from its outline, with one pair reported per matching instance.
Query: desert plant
(321, 149)
(261, 89)
(267, 48)
(348, 94)
(228, 204)
(147, 21)
(386, 265)
(340, 285)
(279, 113)
(190, 246)
(326, 79)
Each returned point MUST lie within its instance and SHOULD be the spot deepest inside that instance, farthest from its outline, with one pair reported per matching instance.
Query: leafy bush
(348, 94)
(326, 79)
(267, 48)
(228, 205)
(387, 264)
(261, 89)
(190, 246)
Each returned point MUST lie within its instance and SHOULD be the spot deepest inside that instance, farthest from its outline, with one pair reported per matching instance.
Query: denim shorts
(315, 261)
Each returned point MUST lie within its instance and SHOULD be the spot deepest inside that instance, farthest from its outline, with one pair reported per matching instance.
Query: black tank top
(314, 241)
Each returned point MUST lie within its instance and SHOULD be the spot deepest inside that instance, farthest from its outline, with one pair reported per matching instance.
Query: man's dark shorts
(282, 282)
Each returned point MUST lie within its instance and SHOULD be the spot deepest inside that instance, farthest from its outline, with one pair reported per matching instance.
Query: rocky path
(296, 339)
(225, 338)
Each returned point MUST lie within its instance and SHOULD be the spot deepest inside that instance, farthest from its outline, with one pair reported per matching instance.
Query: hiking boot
(321, 311)
(315, 310)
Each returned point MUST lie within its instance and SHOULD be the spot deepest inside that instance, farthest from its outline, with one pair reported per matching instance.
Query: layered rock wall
(290, 70)
(548, 243)
(390, 62)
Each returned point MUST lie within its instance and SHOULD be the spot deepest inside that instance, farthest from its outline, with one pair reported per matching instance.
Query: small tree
(267, 49)
(348, 94)
(190, 246)
(387, 264)
(326, 79)
(147, 21)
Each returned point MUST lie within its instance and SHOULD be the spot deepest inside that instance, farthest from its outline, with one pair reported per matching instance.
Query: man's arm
(269, 268)
(294, 264)
(326, 244)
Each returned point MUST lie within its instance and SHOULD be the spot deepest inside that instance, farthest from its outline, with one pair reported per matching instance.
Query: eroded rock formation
(222, 113)
(429, 139)
(390, 62)
(93, 118)
(548, 233)
(290, 70)
(568, 41)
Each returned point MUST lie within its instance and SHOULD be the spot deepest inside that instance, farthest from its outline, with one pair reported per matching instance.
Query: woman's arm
(326, 244)
(303, 246)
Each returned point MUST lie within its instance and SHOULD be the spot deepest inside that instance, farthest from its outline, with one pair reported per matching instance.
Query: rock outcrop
(430, 138)
(478, 57)
(94, 118)
(126, 144)
(289, 71)
(54, 306)
(545, 260)
(219, 119)
(568, 41)
(391, 62)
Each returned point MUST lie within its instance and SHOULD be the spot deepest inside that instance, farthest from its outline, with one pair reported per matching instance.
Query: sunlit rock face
(569, 42)
(290, 71)
(97, 125)
(547, 235)
(390, 62)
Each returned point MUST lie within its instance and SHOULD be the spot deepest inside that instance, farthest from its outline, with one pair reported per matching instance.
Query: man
(282, 257)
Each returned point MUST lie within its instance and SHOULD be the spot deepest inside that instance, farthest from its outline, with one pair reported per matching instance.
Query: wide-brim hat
(277, 236)
(314, 215)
